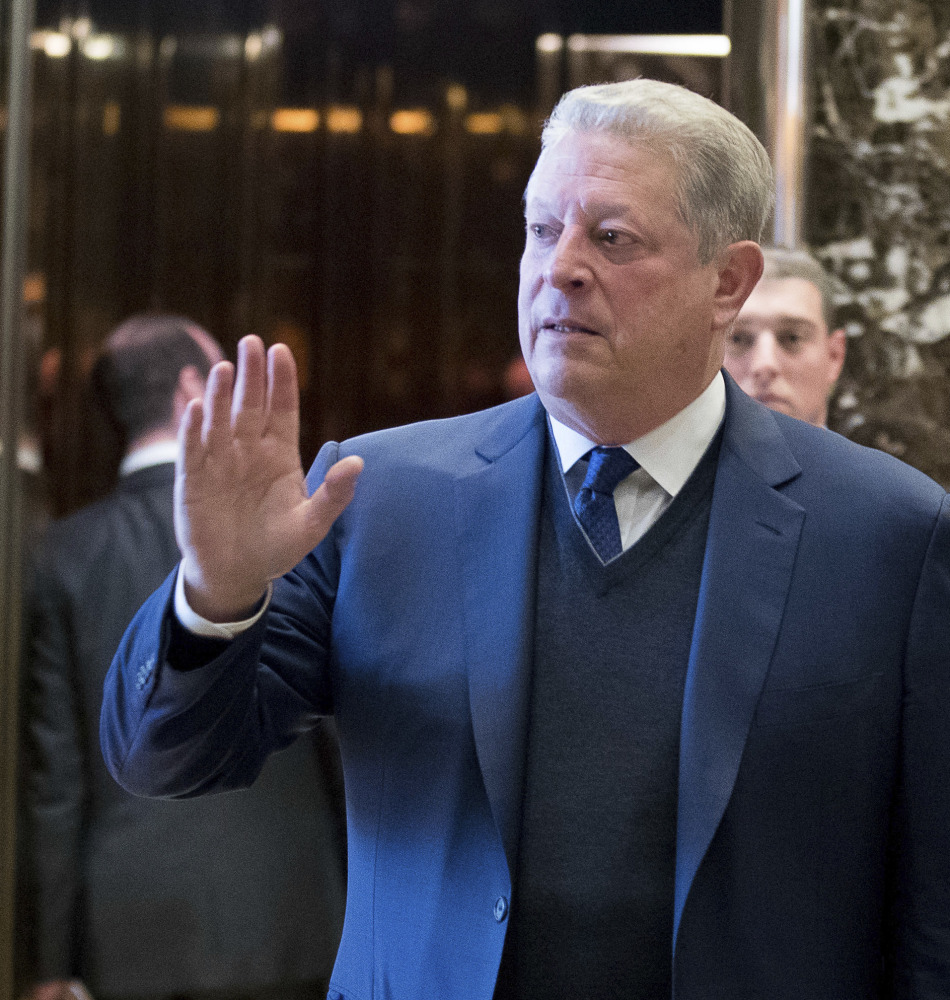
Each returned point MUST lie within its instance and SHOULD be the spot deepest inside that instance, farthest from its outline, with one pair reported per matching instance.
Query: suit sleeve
(175, 724)
(55, 783)
(918, 956)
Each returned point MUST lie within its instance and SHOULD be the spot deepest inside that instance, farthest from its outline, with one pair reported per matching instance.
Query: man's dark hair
(784, 262)
(137, 372)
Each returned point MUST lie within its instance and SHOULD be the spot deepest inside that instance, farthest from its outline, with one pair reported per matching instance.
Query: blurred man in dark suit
(236, 895)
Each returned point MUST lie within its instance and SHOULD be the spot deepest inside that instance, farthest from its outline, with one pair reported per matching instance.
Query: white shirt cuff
(212, 630)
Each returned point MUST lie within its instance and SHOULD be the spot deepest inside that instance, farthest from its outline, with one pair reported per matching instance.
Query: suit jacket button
(501, 908)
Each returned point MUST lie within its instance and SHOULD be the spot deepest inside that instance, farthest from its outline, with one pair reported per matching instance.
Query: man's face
(618, 320)
(780, 351)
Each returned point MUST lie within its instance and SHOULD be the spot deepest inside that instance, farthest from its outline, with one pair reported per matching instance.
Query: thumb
(334, 494)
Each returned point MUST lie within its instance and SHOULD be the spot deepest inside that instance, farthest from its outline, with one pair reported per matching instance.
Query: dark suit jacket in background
(140, 897)
(813, 828)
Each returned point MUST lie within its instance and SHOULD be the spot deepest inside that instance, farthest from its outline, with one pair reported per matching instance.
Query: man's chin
(565, 379)
(568, 400)
(777, 403)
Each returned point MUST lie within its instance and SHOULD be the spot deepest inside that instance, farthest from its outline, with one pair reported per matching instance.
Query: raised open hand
(242, 514)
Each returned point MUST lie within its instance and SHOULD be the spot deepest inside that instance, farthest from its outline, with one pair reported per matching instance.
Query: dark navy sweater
(592, 909)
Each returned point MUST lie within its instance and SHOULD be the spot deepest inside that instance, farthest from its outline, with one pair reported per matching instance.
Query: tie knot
(607, 468)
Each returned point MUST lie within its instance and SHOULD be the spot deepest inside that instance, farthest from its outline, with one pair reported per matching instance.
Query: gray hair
(781, 262)
(723, 187)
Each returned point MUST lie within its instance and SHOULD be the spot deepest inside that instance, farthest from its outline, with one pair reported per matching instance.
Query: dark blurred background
(343, 178)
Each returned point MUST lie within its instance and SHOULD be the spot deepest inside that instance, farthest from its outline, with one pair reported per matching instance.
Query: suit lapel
(497, 507)
(750, 552)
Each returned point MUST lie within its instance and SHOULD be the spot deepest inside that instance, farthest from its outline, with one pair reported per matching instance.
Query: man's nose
(567, 267)
(765, 355)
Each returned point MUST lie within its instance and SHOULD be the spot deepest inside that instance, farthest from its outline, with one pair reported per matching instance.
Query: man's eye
(791, 341)
(613, 237)
(740, 342)
(540, 231)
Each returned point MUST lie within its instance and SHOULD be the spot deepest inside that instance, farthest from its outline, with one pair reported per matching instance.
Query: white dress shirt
(667, 456)
(151, 454)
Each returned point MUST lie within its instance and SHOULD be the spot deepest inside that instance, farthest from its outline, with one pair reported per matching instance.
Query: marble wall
(878, 215)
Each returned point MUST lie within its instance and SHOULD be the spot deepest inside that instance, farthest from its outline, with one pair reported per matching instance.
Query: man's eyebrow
(538, 204)
(597, 209)
(604, 209)
(784, 318)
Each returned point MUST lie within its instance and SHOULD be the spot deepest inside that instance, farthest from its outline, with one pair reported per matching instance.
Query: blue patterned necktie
(594, 504)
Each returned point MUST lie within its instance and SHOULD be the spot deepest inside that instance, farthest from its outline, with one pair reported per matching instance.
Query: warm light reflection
(272, 37)
(456, 97)
(341, 118)
(231, 46)
(257, 43)
(99, 47)
(789, 124)
(415, 121)
(34, 288)
(513, 119)
(667, 45)
(549, 43)
(295, 120)
(111, 118)
(484, 123)
(56, 44)
(191, 118)
(795, 57)
(253, 47)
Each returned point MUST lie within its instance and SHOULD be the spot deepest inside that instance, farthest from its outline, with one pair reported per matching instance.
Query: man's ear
(837, 348)
(191, 385)
(738, 268)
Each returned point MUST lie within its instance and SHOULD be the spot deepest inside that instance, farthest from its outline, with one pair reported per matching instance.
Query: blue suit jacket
(813, 840)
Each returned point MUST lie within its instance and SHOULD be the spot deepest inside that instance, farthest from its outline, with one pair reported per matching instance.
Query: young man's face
(781, 352)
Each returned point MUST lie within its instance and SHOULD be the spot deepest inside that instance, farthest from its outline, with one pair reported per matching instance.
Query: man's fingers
(190, 448)
(341, 477)
(282, 392)
(282, 379)
(216, 429)
(334, 494)
(250, 388)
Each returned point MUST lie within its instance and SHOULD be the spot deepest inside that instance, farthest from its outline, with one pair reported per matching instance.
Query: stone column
(877, 213)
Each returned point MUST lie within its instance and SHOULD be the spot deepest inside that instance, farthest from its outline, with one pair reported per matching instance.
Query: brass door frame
(766, 85)
(12, 267)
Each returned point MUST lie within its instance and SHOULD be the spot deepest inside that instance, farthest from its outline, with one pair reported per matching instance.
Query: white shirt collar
(151, 454)
(669, 453)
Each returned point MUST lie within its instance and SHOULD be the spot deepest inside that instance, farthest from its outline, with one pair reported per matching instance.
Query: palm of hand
(242, 513)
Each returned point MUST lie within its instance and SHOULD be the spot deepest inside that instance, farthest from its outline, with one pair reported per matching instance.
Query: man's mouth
(565, 326)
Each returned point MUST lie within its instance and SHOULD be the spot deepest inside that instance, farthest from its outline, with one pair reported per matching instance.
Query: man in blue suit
(643, 691)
